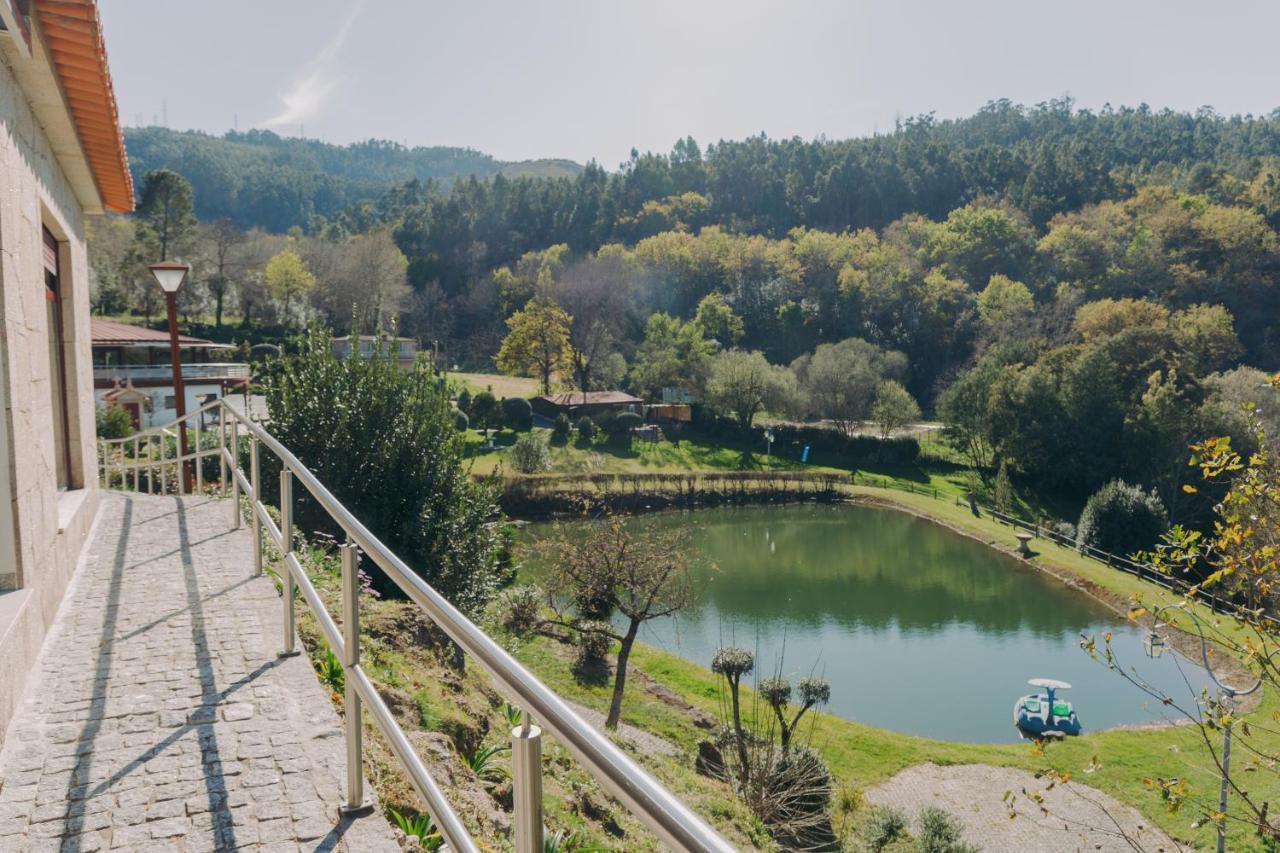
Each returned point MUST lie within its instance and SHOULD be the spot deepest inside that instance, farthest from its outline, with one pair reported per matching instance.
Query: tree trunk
(744, 761)
(620, 677)
(217, 311)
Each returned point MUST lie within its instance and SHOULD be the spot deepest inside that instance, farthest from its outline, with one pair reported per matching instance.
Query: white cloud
(316, 82)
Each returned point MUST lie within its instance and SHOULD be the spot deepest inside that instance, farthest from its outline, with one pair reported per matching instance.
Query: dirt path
(1080, 818)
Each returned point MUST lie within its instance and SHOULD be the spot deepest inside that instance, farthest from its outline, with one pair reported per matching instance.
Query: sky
(592, 79)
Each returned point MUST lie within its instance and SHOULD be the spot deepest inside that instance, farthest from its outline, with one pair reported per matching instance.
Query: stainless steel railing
(653, 805)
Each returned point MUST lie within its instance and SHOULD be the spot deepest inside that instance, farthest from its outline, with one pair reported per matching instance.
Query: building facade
(62, 160)
(132, 369)
(404, 349)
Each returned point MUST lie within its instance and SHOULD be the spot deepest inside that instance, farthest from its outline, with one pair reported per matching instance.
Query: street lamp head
(1154, 644)
(170, 274)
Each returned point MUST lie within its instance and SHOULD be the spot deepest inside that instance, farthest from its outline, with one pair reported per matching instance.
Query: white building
(405, 349)
(132, 369)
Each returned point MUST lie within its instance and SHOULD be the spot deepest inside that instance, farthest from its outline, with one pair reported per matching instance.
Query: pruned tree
(638, 572)
(777, 693)
(733, 663)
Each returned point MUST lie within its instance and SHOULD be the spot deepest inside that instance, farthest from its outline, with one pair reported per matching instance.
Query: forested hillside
(1077, 293)
(260, 179)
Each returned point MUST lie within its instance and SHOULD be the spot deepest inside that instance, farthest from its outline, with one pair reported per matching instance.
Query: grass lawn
(502, 386)
(1115, 761)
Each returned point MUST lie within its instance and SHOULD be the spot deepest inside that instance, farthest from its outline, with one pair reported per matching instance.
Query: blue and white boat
(1042, 715)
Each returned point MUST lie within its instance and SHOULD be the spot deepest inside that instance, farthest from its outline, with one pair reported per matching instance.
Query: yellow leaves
(1189, 489)
(1137, 613)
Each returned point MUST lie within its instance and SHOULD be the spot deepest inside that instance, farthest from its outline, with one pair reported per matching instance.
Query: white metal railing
(208, 370)
(653, 805)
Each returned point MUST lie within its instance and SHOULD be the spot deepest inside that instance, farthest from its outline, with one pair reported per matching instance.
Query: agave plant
(331, 672)
(420, 826)
(563, 841)
(513, 714)
(483, 763)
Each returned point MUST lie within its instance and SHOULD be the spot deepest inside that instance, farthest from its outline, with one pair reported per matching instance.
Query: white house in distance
(406, 349)
(131, 369)
(62, 159)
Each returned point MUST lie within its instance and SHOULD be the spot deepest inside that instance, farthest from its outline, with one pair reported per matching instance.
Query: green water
(919, 630)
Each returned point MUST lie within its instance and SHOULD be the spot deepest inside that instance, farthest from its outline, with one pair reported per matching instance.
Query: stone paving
(160, 718)
(1080, 818)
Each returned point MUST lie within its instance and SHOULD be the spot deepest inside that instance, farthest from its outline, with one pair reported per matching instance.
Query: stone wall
(42, 529)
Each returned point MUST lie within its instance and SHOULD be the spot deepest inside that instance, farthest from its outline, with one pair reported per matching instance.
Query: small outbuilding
(575, 404)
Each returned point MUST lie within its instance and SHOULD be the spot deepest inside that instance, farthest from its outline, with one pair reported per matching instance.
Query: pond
(919, 630)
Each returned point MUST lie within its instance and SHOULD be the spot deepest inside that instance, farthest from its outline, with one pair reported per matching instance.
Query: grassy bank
(1117, 762)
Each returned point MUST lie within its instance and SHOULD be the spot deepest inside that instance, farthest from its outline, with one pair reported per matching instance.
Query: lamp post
(1155, 646)
(170, 275)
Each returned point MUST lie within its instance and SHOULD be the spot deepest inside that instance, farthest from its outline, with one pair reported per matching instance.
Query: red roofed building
(137, 358)
(575, 404)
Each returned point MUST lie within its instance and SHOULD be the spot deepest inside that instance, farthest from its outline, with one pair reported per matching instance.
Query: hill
(258, 178)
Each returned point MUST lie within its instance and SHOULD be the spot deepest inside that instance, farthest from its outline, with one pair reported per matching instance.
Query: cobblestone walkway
(160, 717)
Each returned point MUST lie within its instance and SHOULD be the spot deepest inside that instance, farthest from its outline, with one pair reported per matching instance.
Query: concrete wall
(42, 529)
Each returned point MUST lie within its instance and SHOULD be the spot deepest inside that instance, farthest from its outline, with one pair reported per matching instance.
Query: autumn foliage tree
(537, 342)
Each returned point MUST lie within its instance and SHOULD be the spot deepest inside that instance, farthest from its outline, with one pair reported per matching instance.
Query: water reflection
(920, 630)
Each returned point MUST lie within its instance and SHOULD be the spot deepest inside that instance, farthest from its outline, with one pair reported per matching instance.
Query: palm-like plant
(419, 826)
(483, 763)
(331, 672)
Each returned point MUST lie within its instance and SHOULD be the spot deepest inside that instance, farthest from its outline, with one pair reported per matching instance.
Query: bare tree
(639, 572)
(597, 294)
(220, 242)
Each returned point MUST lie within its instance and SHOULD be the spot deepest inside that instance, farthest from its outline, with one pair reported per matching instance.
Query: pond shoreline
(1184, 642)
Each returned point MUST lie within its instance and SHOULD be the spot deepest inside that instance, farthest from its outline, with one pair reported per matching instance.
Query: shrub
(1065, 529)
(390, 454)
(483, 411)
(461, 421)
(884, 827)
(517, 413)
(1121, 519)
(560, 431)
(464, 400)
(593, 643)
(621, 425)
(586, 428)
(113, 422)
(1004, 495)
(520, 609)
(530, 455)
(940, 832)
(625, 422)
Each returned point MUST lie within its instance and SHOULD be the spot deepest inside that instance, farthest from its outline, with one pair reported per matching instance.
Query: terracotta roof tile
(72, 32)
(108, 333)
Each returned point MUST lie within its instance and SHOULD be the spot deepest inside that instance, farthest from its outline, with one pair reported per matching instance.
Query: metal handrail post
(526, 777)
(255, 490)
(351, 699)
(286, 548)
(198, 460)
(222, 455)
(235, 480)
